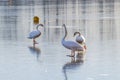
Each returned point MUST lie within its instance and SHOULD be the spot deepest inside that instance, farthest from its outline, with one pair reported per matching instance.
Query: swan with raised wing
(35, 34)
(71, 45)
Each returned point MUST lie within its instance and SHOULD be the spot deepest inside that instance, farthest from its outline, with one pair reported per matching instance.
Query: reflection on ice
(35, 51)
(97, 20)
(75, 62)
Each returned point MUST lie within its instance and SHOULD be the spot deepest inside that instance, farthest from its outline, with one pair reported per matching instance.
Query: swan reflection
(73, 64)
(35, 50)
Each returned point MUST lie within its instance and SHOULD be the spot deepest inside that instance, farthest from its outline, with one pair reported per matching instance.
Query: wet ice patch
(90, 78)
(104, 74)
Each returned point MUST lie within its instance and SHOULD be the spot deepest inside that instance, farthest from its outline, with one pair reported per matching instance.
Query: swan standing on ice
(35, 34)
(71, 45)
(80, 39)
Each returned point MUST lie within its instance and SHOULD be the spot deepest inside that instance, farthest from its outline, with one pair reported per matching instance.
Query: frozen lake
(98, 21)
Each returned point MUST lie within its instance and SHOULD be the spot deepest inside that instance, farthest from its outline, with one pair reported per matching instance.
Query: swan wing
(83, 38)
(33, 34)
(72, 45)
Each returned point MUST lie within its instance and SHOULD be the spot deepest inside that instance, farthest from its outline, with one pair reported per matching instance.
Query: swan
(80, 39)
(71, 45)
(35, 34)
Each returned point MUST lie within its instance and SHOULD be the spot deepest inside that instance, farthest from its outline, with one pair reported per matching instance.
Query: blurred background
(97, 20)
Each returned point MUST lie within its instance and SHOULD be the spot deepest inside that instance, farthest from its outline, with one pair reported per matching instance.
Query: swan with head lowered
(80, 39)
(71, 45)
(35, 34)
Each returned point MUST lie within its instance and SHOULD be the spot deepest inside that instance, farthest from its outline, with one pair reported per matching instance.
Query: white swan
(80, 39)
(34, 34)
(73, 46)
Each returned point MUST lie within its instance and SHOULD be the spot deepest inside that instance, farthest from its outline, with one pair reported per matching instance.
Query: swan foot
(34, 42)
(70, 55)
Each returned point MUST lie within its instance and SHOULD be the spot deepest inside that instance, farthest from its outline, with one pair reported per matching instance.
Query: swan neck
(78, 33)
(37, 27)
(65, 32)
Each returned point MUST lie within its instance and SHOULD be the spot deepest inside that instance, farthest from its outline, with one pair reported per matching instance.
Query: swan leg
(72, 54)
(72, 59)
(34, 42)
(80, 54)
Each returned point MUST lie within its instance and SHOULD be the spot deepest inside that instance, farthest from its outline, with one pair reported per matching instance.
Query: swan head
(63, 25)
(40, 25)
(77, 33)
